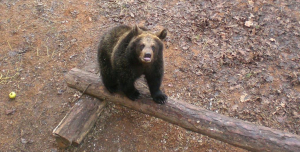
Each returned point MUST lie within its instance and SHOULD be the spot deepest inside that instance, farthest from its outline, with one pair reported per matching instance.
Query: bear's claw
(160, 98)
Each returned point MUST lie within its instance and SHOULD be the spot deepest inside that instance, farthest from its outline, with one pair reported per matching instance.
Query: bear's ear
(162, 34)
(136, 30)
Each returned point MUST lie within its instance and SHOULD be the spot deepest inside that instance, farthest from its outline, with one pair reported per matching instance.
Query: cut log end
(61, 141)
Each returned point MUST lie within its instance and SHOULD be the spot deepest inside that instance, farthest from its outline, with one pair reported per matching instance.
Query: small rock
(185, 47)
(269, 78)
(12, 53)
(245, 98)
(272, 40)
(59, 92)
(24, 141)
(249, 23)
(131, 14)
(73, 56)
(73, 40)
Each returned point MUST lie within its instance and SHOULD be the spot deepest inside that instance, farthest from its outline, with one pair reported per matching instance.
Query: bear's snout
(147, 57)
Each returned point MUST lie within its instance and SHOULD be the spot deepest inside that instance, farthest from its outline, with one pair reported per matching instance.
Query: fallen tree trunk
(230, 130)
(78, 122)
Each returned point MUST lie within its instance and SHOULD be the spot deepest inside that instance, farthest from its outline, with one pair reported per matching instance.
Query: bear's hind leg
(110, 83)
(109, 79)
(127, 86)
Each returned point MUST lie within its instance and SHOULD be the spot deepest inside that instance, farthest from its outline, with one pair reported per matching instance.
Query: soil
(239, 58)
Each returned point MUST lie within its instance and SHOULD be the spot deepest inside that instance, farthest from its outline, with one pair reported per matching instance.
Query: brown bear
(125, 53)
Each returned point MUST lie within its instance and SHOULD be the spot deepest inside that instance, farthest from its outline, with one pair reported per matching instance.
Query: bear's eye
(153, 48)
(142, 46)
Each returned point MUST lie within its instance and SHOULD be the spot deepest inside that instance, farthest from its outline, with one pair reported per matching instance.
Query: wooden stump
(78, 122)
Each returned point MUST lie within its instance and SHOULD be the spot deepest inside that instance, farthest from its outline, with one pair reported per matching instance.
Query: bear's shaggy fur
(125, 53)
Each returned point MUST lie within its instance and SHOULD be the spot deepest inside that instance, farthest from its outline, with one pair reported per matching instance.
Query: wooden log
(78, 122)
(230, 130)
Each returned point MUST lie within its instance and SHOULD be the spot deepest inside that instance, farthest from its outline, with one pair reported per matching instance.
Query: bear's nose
(147, 55)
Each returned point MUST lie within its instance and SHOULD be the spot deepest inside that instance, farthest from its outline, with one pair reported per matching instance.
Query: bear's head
(147, 46)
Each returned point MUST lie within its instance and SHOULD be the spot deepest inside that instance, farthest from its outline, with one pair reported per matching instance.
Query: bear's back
(111, 38)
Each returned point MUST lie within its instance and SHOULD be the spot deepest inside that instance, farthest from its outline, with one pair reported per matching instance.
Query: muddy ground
(239, 58)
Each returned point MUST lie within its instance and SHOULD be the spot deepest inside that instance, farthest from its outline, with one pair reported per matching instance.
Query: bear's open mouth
(147, 57)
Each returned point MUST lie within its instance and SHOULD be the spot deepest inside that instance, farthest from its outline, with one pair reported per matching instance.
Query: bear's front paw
(160, 98)
(133, 95)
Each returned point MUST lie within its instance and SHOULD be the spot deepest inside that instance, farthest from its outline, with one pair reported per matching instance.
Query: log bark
(230, 130)
(78, 122)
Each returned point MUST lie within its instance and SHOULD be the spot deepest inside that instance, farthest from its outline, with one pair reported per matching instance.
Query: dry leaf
(249, 23)
(251, 3)
(245, 98)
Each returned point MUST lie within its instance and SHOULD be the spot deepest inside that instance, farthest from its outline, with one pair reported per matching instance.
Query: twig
(9, 46)
(3, 79)
(82, 93)
(85, 90)
(53, 53)
(47, 47)
(47, 51)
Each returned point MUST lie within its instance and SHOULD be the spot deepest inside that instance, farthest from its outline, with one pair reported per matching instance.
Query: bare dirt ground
(235, 57)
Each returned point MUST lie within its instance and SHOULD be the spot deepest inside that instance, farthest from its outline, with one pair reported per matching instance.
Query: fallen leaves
(250, 23)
